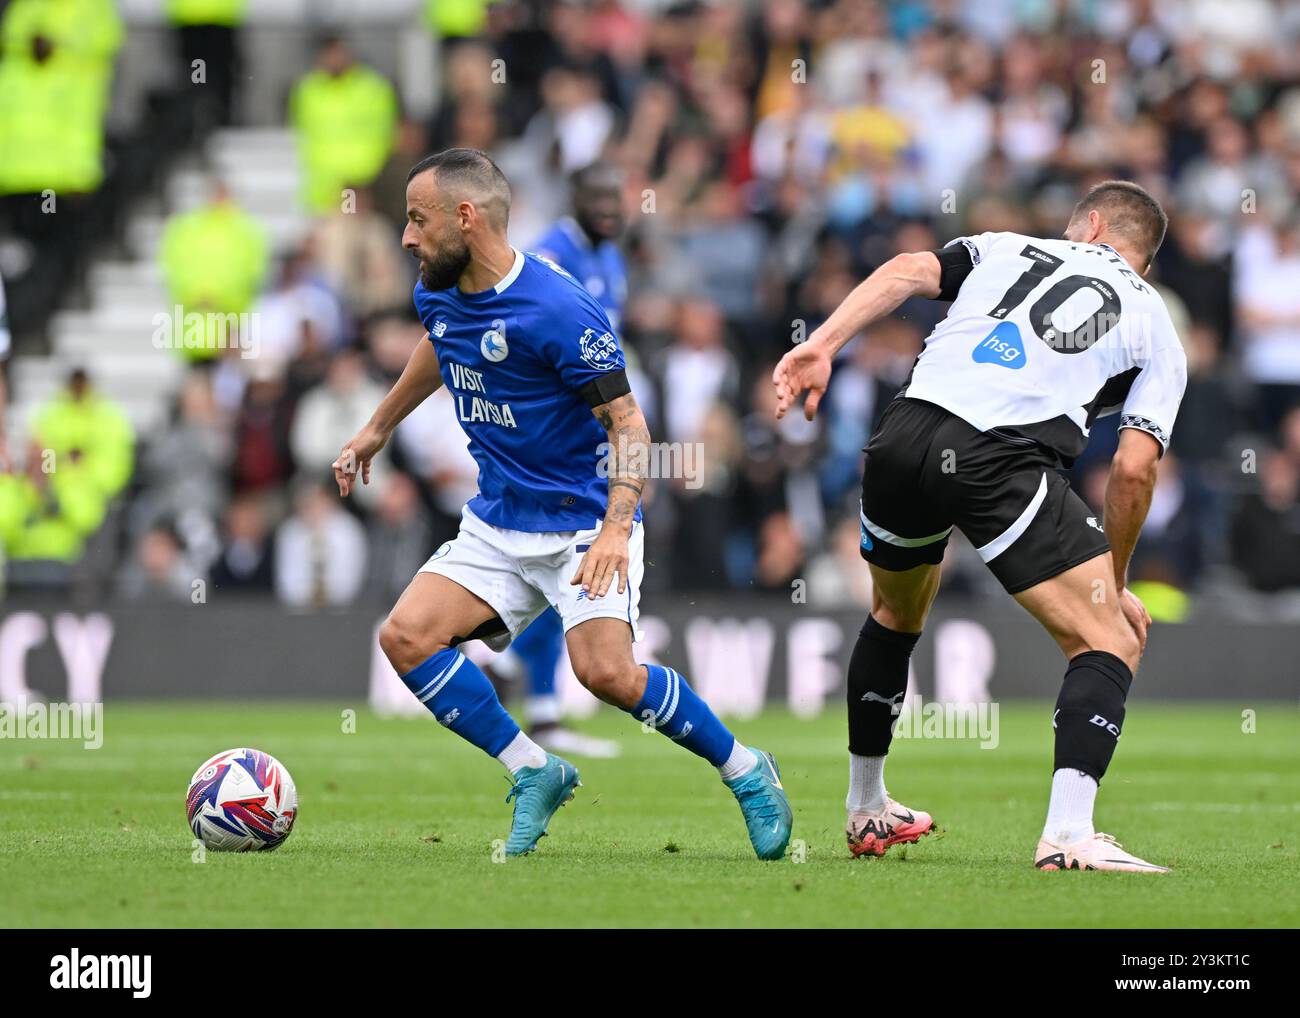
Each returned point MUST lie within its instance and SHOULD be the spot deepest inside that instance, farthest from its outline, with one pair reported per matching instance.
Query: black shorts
(927, 471)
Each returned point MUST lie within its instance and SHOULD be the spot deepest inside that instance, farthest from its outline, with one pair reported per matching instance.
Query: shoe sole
(1050, 865)
(874, 845)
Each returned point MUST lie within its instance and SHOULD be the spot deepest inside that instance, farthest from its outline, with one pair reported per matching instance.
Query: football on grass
(242, 800)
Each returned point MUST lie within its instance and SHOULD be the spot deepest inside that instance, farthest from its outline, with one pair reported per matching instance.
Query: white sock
(741, 762)
(522, 752)
(1069, 814)
(866, 784)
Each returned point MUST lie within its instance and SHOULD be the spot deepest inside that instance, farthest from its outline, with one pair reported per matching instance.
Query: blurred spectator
(334, 411)
(245, 561)
(358, 255)
(207, 34)
(346, 118)
(299, 306)
(79, 428)
(320, 552)
(159, 571)
(697, 370)
(399, 537)
(837, 577)
(262, 460)
(1269, 294)
(46, 515)
(1266, 529)
(185, 467)
(214, 259)
(54, 81)
(780, 554)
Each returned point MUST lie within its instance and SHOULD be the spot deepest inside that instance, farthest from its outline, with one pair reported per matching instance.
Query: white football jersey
(1045, 336)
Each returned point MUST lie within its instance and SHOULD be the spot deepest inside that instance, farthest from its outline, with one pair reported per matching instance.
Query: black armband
(605, 388)
(955, 263)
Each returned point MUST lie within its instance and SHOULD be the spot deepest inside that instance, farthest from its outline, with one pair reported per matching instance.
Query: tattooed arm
(628, 440)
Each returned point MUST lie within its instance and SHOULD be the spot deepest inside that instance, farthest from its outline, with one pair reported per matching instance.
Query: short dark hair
(468, 173)
(1130, 211)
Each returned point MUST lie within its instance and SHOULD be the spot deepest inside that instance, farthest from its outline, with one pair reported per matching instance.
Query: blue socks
(539, 647)
(671, 706)
(460, 696)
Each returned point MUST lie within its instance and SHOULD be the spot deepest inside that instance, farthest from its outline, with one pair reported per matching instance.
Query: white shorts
(519, 574)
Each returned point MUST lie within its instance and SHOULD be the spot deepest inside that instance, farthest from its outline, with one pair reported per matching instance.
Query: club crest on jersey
(493, 346)
(1003, 347)
(599, 349)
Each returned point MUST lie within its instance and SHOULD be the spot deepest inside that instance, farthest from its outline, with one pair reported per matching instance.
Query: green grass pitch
(397, 821)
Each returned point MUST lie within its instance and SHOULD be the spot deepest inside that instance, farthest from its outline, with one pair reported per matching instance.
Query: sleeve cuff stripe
(1145, 424)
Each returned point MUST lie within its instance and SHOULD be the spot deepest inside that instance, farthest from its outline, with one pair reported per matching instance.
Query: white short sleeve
(978, 245)
(1152, 401)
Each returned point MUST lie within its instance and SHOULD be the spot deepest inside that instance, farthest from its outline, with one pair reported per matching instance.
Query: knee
(612, 681)
(1119, 639)
(899, 618)
(405, 646)
(1126, 647)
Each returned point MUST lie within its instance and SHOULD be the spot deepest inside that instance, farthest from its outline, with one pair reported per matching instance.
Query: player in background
(1043, 336)
(585, 245)
(540, 386)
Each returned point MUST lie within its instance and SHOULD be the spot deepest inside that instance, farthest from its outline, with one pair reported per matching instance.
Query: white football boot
(1100, 852)
(874, 833)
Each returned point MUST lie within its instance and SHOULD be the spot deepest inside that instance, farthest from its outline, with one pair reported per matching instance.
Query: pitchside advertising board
(740, 654)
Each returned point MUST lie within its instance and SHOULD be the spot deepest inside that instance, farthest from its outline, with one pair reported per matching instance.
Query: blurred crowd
(773, 154)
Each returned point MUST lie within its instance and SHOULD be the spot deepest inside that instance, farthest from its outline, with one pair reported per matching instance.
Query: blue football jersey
(514, 359)
(600, 269)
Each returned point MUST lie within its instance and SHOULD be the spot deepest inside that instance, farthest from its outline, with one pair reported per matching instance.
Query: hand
(1137, 615)
(356, 455)
(806, 368)
(606, 556)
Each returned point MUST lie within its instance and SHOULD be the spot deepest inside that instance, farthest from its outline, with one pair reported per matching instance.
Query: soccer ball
(242, 800)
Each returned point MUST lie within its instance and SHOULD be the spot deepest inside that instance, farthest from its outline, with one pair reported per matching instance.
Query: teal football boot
(537, 793)
(764, 806)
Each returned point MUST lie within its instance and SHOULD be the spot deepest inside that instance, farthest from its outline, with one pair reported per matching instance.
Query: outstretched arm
(807, 368)
(420, 379)
(627, 459)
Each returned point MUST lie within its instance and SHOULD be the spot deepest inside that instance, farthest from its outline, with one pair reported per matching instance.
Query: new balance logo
(439, 329)
(686, 730)
(449, 717)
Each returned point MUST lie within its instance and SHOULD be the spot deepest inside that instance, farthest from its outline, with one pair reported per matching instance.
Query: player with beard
(538, 380)
(585, 245)
(1043, 337)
